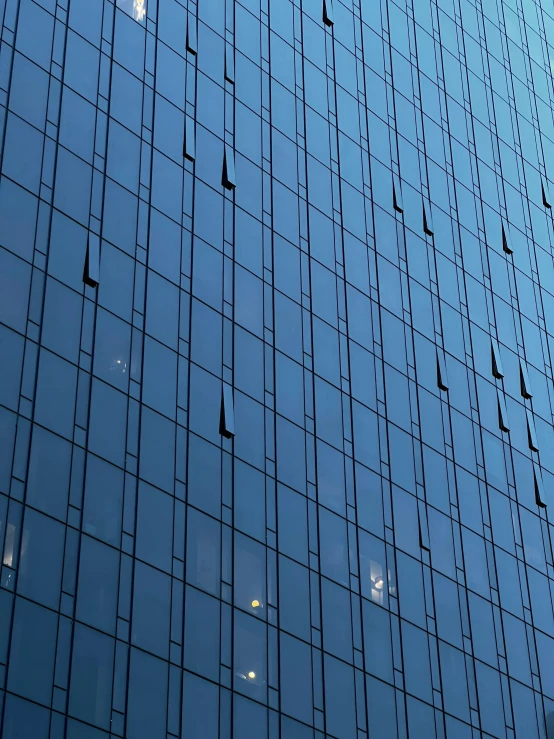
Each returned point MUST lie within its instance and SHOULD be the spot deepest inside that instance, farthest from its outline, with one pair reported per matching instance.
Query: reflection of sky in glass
(377, 582)
(135, 8)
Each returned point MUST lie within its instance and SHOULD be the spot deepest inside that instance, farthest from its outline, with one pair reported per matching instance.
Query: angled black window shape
(428, 218)
(442, 375)
(539, 487)
(91, 273)
(424, 542)
(192, 43)
(397, 194)
(524, 378)
(189, 147)
(503, 421)
(497, 369)
(506, 237)
(229, 180)
(328, 14)
(229, 64)
(546, 201)
(227, 415)
(531, 433)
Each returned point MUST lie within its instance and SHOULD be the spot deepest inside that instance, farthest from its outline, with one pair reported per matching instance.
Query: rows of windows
(276, 429)
(97, 598)
(156, 611)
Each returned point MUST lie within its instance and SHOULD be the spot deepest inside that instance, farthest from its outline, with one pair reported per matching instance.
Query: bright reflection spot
(255, 604)
(377, 581)
(135, 8)
(251, 675)
(9, 545)
(118, 365)
(139, 9)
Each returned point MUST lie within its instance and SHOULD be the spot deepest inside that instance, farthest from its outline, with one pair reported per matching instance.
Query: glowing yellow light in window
(255, 604)
(251, 675)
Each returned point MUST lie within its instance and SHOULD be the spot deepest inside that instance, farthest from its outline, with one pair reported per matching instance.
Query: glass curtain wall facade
(276, 369)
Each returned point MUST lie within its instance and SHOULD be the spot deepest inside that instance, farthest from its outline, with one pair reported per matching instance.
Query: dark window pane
(91, 676)
(31, 669)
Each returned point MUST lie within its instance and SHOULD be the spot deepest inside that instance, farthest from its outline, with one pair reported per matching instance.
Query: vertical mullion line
(538, 140)
(544, 182)
(273, 365)
(355, 598)
(72, 625)
(437, 319)
(430, 245)
(139, 421)
(83, 294)
(2, 146)
(229, 23)
(96, 294)
(305, 161)
(399, 221)
(380, 369)
(429, 598)
(26, 340)
(176, 386)
(274, 495)
(329, 34)
(368, 216)
(266, 30)
(506, 444)
(128, 401)
(379, 366)
(546, 347)
(400, 713)
(229, 99)
(192, 71)
(182, 293)
(188, 55)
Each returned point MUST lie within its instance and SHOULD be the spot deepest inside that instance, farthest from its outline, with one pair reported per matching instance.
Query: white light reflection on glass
(139, 10)
(135, 8)
(9, 546)
(118, 365)
(377, 582)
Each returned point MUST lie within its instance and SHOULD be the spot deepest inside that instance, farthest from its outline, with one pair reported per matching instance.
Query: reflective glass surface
(276, 369)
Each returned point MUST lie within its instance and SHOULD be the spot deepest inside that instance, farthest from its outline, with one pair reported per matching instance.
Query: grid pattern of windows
(276, 369)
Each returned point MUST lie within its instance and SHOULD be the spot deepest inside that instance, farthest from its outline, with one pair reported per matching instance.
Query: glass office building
(276, 369)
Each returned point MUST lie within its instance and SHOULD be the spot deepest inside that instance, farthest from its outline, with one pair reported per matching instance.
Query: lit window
(377, 582)
(135, 8)
(380, 582)
(9, 545)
